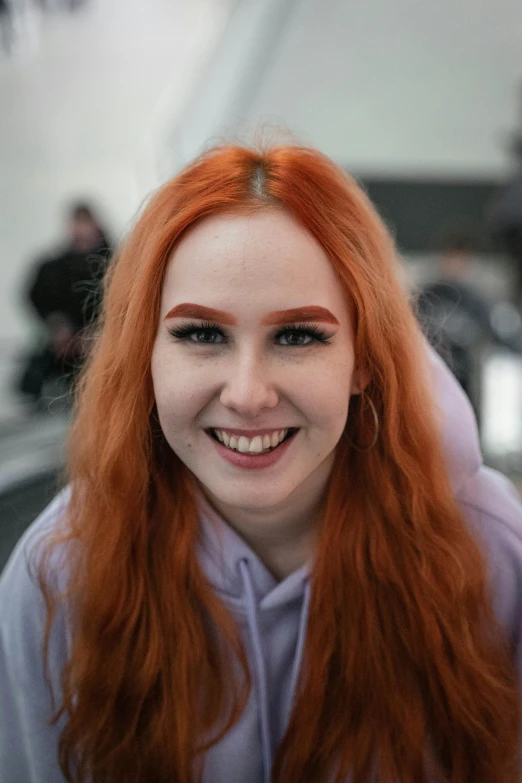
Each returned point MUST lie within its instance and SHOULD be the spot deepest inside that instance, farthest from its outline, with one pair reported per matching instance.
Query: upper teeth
(253, 445)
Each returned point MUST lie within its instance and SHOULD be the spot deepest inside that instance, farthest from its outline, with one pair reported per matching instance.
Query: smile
(258, 444)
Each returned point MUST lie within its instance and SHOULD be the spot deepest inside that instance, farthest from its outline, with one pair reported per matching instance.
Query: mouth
(255, 444)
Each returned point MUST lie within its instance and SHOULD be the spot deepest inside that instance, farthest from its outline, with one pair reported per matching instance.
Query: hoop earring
(376, 425)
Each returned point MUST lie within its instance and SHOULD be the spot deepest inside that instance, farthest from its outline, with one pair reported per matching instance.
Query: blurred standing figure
(64, 290)
(505, 213)
(6, 27)
(456, 316)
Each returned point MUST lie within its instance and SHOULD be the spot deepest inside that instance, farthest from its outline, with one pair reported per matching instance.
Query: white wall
(79, 115)
(403, 85)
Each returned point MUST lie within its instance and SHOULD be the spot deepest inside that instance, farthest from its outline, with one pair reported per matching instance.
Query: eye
(206, 336)
(296, 337)
(301, 336)
(202, 334)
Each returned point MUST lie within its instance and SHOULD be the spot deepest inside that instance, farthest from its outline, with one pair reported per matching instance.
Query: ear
(360, 380)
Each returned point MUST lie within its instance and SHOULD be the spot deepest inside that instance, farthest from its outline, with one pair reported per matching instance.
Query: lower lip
(253, 461)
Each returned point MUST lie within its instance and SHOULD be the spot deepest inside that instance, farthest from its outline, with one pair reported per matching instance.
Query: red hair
(404, 665)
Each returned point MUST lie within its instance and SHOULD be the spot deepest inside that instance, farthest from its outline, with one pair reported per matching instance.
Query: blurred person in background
(64, 292)
(505, 214)
(461, 322)
(6, 27)
(456, 315)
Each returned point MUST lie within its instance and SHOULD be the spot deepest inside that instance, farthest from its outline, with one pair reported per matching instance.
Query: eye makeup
(312, 331)
(190, 331)
(208, 333)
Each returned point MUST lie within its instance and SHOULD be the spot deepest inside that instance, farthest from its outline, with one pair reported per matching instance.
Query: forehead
(238, 259)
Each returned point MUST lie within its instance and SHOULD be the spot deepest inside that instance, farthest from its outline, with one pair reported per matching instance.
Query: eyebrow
(278, 317)
(310, 313)
(188, 310)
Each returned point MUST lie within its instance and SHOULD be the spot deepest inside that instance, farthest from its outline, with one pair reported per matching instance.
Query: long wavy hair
(406, 674)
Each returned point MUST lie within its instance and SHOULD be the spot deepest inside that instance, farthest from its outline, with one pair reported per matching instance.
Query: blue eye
(202, 334)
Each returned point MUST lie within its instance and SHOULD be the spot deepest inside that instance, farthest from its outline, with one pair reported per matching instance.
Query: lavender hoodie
(272, 616)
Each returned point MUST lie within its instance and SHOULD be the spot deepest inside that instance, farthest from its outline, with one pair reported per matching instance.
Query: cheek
(178, 398)
(178, 404)
(326, 396)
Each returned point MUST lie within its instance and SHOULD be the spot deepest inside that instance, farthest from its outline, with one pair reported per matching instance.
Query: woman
(269, 565)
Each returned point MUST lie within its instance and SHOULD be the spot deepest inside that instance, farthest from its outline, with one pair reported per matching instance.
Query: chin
(248, 498)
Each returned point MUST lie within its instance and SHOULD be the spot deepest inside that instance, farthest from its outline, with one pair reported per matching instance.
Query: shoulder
(28, 741)
(22, 606)
(490, 505)
(27, 548)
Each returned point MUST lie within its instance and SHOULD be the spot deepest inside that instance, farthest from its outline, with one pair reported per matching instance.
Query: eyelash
(184, 333)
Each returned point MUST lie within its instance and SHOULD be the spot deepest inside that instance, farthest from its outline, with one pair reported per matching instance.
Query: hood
(458, 426)
(222, 550)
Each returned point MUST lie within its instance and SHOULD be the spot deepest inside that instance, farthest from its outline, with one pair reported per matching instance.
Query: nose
(248, 388)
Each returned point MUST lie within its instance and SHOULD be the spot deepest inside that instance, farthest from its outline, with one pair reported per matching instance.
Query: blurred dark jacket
(65, 290)
(456, 320)
(505, 223)
(70, 284)
(456, 313)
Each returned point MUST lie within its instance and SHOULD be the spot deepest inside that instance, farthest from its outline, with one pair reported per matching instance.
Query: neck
(285, 550)
(283, 537)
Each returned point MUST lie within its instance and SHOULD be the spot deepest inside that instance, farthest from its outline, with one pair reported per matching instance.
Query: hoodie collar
(244, 583)
(221, 550)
